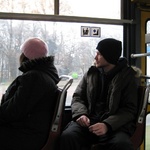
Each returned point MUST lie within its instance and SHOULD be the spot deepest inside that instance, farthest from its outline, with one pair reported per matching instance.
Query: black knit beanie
(110, 49)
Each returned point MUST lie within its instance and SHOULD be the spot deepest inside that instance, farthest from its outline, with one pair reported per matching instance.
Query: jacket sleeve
(79, 102)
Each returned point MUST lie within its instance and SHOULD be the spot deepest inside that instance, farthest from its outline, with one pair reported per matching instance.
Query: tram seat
(138, 136)
(55, 129)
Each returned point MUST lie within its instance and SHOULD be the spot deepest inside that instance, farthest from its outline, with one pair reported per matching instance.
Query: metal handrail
(140, 55)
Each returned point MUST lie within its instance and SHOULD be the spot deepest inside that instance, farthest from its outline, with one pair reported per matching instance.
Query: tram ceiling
(142, 4)
(59, 18)
(141, 1)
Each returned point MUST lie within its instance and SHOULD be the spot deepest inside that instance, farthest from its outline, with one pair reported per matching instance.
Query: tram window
(92, 8)
(147, 136)
(147, 146)
(73, 53)
(87, 8)
(27, 6)
(148, 50)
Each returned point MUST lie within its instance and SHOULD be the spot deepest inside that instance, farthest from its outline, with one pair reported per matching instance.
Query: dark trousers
(75, 137)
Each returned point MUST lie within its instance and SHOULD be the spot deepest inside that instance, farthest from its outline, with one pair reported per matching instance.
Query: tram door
(145, 63)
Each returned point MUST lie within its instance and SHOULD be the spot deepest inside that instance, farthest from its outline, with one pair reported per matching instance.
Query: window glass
(148, 50)
(27, 6)
(95, 8)
(74, 53)
(147, 138)
(147, 146)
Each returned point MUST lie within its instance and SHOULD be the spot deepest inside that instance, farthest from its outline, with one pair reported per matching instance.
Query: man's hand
(83, 121)
(98, 129)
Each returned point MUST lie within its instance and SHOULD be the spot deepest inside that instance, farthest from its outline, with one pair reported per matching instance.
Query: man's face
(100, 60)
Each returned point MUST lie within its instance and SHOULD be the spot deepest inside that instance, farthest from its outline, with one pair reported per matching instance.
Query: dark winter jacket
(27, 106)
(121, 97)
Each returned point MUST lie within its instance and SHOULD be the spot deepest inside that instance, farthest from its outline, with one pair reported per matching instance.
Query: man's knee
(122, 142)
(66, 136)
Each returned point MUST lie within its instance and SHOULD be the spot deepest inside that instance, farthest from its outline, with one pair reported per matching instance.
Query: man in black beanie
(104, 104)
(110, 49)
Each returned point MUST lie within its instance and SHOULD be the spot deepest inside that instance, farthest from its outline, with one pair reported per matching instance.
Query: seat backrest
(138, 136)
(55, 129)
